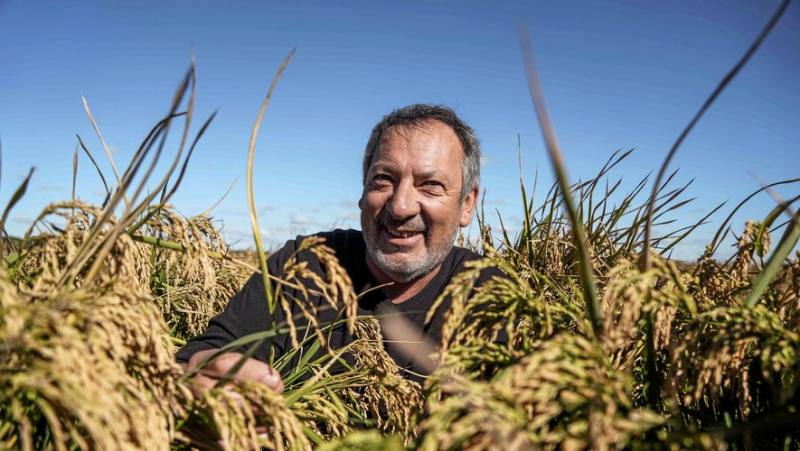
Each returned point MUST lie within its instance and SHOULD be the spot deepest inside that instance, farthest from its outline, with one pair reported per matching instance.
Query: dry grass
(78, 357)
(610, 343)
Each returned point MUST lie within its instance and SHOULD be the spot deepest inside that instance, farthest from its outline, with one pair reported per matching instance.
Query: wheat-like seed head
(720, 350)
(245, 415)
(96, 367)
(564, 393)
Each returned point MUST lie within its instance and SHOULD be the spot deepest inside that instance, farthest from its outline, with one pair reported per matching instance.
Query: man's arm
(246, 313)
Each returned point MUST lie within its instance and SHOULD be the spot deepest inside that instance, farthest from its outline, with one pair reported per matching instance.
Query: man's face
(411, 206)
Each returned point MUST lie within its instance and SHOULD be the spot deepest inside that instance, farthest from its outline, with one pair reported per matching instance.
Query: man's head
(414, 115)
(421, 181)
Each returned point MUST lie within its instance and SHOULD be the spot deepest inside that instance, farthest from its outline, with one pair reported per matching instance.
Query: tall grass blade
(187, 125)
(74, 172)
(130, 214)
(23, 187)
(787, 243)
(89, 248)
(262, 259)
(644, 261)
(167, 195)
(718, 237)
(103, 142)
(99, 172)
(584, 263)
(211, 208)
(758, 240)
(527, 230)
(692, 228)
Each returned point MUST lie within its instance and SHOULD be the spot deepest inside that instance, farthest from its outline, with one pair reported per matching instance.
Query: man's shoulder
(335, 239)
(347, 245)
(344, 243)
(464, 254)
(339, 238)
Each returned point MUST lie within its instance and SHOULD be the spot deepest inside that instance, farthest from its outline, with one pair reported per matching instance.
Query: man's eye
(381, 178)
(433, 185)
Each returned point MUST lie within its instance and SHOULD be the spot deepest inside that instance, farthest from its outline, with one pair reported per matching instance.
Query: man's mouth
(398, 233)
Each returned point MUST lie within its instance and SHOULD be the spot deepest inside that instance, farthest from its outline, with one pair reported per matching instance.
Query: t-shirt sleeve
(246, 313)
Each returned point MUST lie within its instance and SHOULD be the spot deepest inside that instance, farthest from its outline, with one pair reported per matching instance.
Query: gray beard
(401, 272)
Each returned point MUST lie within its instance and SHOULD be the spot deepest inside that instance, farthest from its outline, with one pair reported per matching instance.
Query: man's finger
(257, 371)
(251, 370)
(204, 382)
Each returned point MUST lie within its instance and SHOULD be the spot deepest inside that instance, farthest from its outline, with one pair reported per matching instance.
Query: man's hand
(207, 378)
(252, 370)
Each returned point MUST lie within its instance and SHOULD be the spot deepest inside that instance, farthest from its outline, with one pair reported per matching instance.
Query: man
(421, 177)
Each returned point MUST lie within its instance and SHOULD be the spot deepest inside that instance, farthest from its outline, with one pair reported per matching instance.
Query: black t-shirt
(247, 311)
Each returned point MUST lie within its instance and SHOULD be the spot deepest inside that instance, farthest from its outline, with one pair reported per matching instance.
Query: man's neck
(399, 292)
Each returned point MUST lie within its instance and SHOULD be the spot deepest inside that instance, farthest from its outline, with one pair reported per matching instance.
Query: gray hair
(413, 115)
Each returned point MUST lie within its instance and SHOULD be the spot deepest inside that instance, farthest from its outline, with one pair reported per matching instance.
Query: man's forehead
(438, 150)
(430, 126)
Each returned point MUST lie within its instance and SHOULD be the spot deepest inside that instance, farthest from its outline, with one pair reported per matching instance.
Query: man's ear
(360, 201)
(468, 207)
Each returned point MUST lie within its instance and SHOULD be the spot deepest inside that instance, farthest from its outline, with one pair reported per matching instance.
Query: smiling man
(420, 186)
(421, 183)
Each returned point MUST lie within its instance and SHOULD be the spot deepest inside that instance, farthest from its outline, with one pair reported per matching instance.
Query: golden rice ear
(401, 398)
(335, 289)
(48, 255)
(564, 391)
(734, 355)
(102, 357)
(190, 286)
(245, 415)
(629, 299)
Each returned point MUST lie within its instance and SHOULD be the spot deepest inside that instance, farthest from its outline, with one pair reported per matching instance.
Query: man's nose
(403, 203)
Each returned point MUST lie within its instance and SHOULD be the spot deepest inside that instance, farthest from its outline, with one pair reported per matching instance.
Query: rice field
(611, 344)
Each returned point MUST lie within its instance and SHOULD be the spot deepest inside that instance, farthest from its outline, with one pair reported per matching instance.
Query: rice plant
(611, 344)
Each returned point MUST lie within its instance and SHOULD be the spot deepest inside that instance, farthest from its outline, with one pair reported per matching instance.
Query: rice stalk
(562, 394)
(251, 198)
(645, 262)
(87, 369)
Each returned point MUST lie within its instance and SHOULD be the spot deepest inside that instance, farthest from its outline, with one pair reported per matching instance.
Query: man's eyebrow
(382, 168)
(434, 174)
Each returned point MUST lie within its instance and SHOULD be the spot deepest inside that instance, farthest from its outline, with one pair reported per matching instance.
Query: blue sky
(617, 75)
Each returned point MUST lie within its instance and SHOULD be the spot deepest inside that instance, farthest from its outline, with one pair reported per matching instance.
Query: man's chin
(397, 251)
(400, 270)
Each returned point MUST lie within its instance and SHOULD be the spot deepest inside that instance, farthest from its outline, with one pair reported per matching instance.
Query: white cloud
(499, 200)
(229, 213)
(26, 220)
(52, 188)
(265, 208)
(348, 216)
(301, 220)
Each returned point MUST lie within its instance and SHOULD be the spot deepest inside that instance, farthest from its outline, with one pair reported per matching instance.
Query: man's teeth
(400, 233)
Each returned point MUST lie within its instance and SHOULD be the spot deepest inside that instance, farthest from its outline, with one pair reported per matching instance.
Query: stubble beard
(400, 271)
